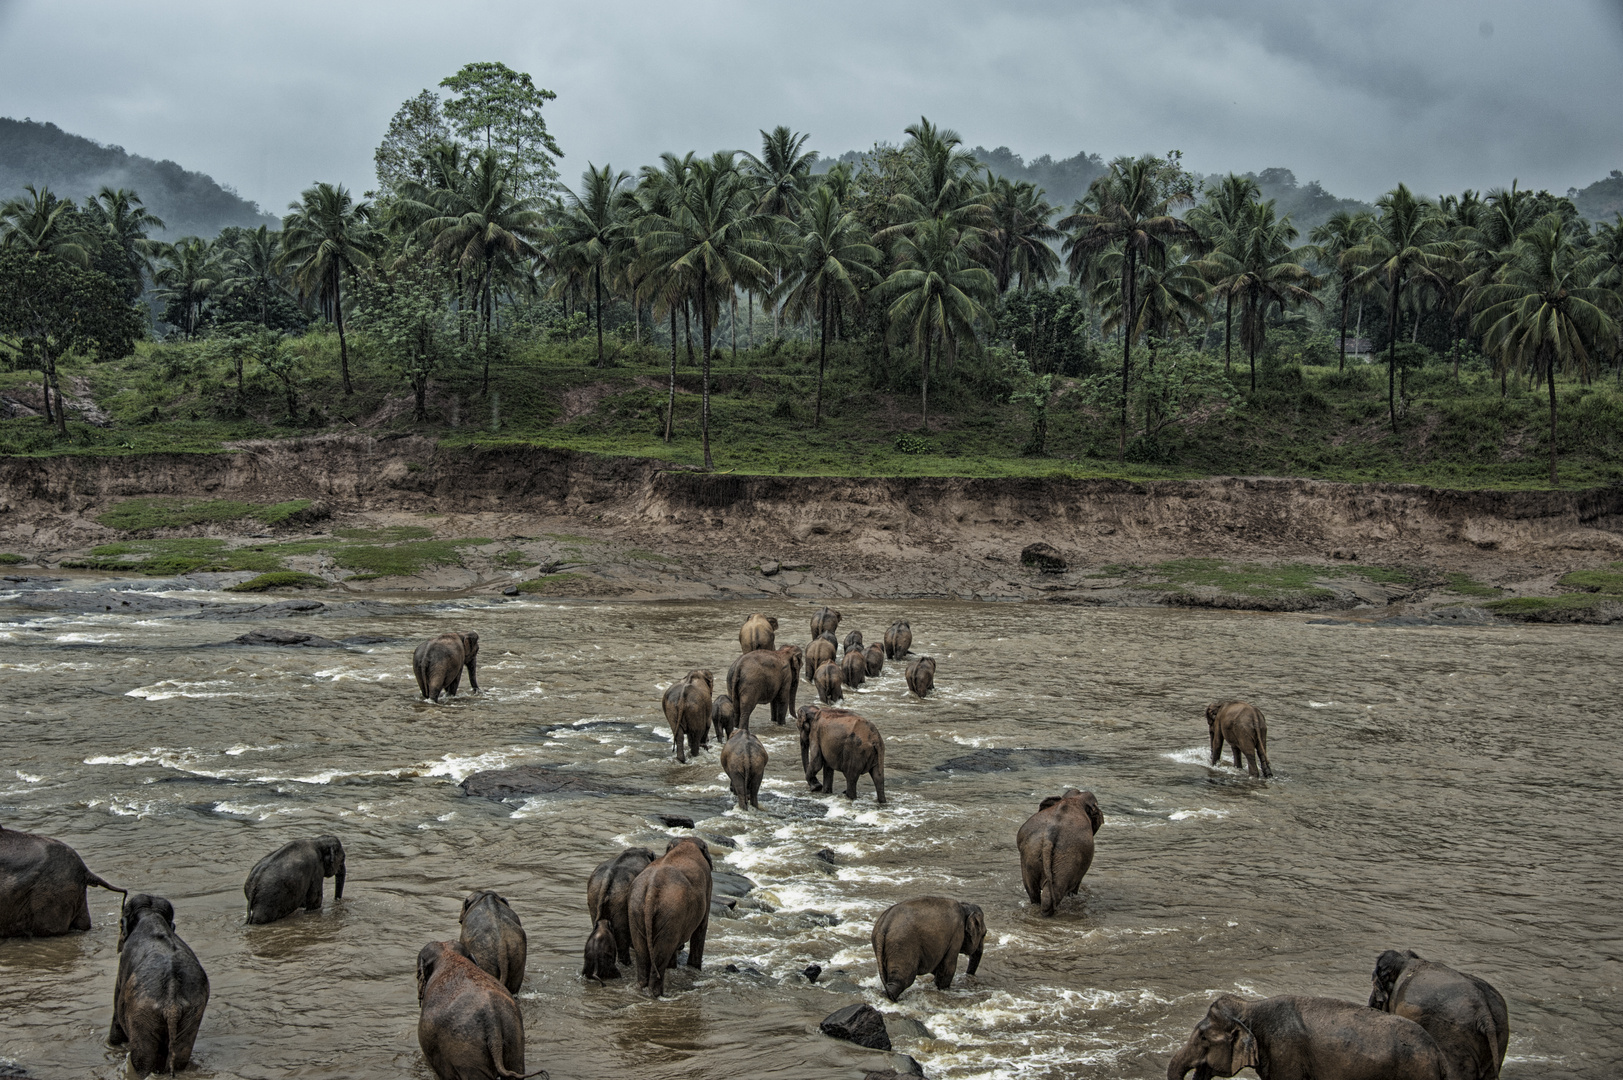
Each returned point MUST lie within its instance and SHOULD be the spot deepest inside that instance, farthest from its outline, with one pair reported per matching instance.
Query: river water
(1449, 790)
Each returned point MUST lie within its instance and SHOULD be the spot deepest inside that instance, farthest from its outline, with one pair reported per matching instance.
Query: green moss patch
(1256, 580)
(1596, 581)
(142, 515)
(166, 558)
(1465, 585)
(8, 559)
(281, 579)
(402, 560)
(548, 583)
(1537, 605)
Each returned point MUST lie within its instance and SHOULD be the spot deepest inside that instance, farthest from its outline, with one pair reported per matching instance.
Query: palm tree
(1543, 311)
(44, 224)
(1606, 258)
(1332, 241)
(121, 223)
(939, 293)
(326, 236)
(252, 265)
(668, 288)
(1171, 297)
(783, 173)
(831, 258)
(589, 230)
(939, 182)
(1218, 220)
(1405, 243)
(1018, 239)
(186, 276)
(1126, 207)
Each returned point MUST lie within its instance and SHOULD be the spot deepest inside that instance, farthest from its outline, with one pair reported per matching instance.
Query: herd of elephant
(1423, 1020)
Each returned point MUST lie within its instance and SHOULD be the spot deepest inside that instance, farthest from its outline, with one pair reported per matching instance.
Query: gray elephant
(762, 677)
(1056, 846)
(608, 891)
(853, 640)
(1306, 1038)
(723, 715)
(921, 675)
(494, 937)
(926, 936)
(438, 662)
(1245, 729)
(470, 1027)
(825, 621)
(822, 650)
(874, 656)
(830, 683)
(160, 991)
(43, 886)
(898, 640)
(1465, 1016)
(836, 740)
(687, 710)
(854, 669)
(290, 878)
(599, 953)
(670, 905)
(743, 759)
(758, 632)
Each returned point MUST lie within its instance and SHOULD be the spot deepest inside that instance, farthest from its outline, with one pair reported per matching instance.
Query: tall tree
(1332, 241)
(415, 129)
(667, 286)
(252, 267)
(327, 237)
(782, 175)
(1219, 218)
(1019, 234)
(1258, 267)
(939, 292)
(496, 108)
(589, 230)
(186, 275)
(119, 227)
(42, 223)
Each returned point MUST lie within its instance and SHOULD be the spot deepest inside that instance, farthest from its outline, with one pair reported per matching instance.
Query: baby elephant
(608, 891)
(898, 640)
(853, 640)
(921, 676)
(290, 878)
(600, 953)
(923, 936)
(830, 683)
(687, 710)
(470, 1025)
(723, 716)
(874, 657)
(494, 938)
(1245, 729)
(854, 669)
(160, 991)
(743, 759)
(1056, 846)
(438, 664)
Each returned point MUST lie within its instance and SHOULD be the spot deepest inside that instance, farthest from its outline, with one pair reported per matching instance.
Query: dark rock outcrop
(1044, 557)
(862, 1024)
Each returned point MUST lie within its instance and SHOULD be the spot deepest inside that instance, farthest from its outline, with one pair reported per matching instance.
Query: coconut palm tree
(252, 266)
(1218, 219)
(939, 292)
(1606, 259)
(667, 288)
(186, 276)
(121, 223)
(782, 175)
(939, 182)
(1017, 240)
(589, 231)
(327, 236)
(1543, 312)
(1331, 242)
(42, 223)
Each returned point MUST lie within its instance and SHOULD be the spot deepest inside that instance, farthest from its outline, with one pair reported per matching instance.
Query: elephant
(600, 952)
(874, 657)
(1243, 726)
(1056, 846)
(769, 677)
(687, 710)
(830, 683)
(43, 886)
(825, 621)
(898, 640)
(669, 905)
(438, 664)
(470, 1027)
(926, 935)
(821, 651)
(290, 878)
(609, 889)
(836, 740)
(1306, 1038)
(854, 669)
(758, 632)
(723, 716)
(494, 937)
(921, 675)
(743, 758)
(853, 640)
(160, 991)
(1464, 1015)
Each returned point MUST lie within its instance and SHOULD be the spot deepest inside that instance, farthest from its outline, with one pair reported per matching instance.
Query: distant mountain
(1602, 200)
(1308, 205)
(190, 203)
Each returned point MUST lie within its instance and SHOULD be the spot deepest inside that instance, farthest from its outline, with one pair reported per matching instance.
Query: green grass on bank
(141, 515)
(1544, 605)
(1596, 581)
(171, 557)
(8, 559)
(281, 579)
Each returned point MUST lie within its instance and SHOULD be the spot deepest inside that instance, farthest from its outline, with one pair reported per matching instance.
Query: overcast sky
(1358, 94)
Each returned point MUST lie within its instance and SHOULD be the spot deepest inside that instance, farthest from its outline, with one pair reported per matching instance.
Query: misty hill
(1602, 200)
(190, 203)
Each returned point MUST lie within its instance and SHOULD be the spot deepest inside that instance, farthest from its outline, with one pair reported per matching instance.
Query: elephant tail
(171, 1016)
(93, 879)
(734, 682)
(1050, 887)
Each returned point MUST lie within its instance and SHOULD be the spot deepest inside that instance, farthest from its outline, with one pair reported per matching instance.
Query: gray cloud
(1359, 94)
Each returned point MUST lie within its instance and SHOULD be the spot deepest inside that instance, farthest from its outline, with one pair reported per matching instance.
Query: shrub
(281, 579)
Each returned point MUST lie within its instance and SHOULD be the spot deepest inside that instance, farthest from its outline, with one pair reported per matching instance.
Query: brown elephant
(1306, 1038)
(43, 886)
(723, 715)
(438, 662)
(160, 991)
(926, 936)
(743, 759)
(1243, 726)
(837, 740)
(608, 891)
(759, 632)
(1464, 1015)
(470, 1027)
(898, 640)
(1056, 846)
(822, 650)
(854, 669)
(494, 937)
(830, 683)
(687, 710)
(291, 877)
(765, 677)
(853, 640)
(600, 950)
(874, 657)
(921, 675)
(825, 621)
(670, 905)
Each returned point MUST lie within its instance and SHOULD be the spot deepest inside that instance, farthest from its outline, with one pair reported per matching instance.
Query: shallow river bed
(1452, 791)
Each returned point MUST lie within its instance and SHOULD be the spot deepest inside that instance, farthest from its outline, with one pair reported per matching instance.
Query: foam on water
(1203, 812)
(173, 688)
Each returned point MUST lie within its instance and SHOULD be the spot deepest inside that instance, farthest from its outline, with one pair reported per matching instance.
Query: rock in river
(862, 1024)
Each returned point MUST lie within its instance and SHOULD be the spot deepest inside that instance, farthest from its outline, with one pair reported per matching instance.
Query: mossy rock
(8, 559)
(281, 579)
(1596, 581)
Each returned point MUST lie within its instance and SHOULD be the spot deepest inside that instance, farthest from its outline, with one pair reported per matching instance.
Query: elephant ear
(1211, 715)
(467, 902)
(1095, 815)
(772, 622)
(470, 641)
(1050, 801)
(1245, 1049)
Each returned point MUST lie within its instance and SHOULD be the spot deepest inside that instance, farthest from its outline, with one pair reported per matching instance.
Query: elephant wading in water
(822, 650)
(1245, 729)
(921, 676)
(1306, 1038)
(898, 640)
(854, 668)
(670, 905)
(494, 938)
(160, 991)
(853, 640)
(765, 677)
(743, 759)
(1056, 846)
(1465, 1016)
(825, 621)
(608, 891)
(836, 740)
(926, 936)
(438, 664)
(874, 657)
(758, 632)
(600, 950)
(723, 716)
(43, 886)
(830, 683)
(687, 710)
(470, 1027)
(290, 878)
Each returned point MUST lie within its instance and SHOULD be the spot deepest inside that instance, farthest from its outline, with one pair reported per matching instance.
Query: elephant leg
(1237, 755)
(312, 896)
(696, 944)
(116, 1035)
(681, 746)
(454, 683)
(1033, 882)
(1217, 749)
(878, 777)
(828, 780)
(944, 972)
(851, 784)
(1251, 765)
(1267, 769)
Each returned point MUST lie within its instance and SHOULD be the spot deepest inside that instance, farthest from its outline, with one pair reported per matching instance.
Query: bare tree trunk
(749, 341)
(822, 360)
(338, 320)
(687, 329)
(1392, 355)
(1549, 372)
(54, 388)
(924, 394)
(1342, 366)
(704, 332)
(1228, 332)
(732, 327)
(597, 285)
(670, 409)
(1127, 347)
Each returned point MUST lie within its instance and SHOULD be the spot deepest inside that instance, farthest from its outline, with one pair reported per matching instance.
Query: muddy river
(1449, 790)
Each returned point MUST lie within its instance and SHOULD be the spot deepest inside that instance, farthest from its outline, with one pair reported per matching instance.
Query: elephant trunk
(338, 879)
(1181, 1062)
(974, 961)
